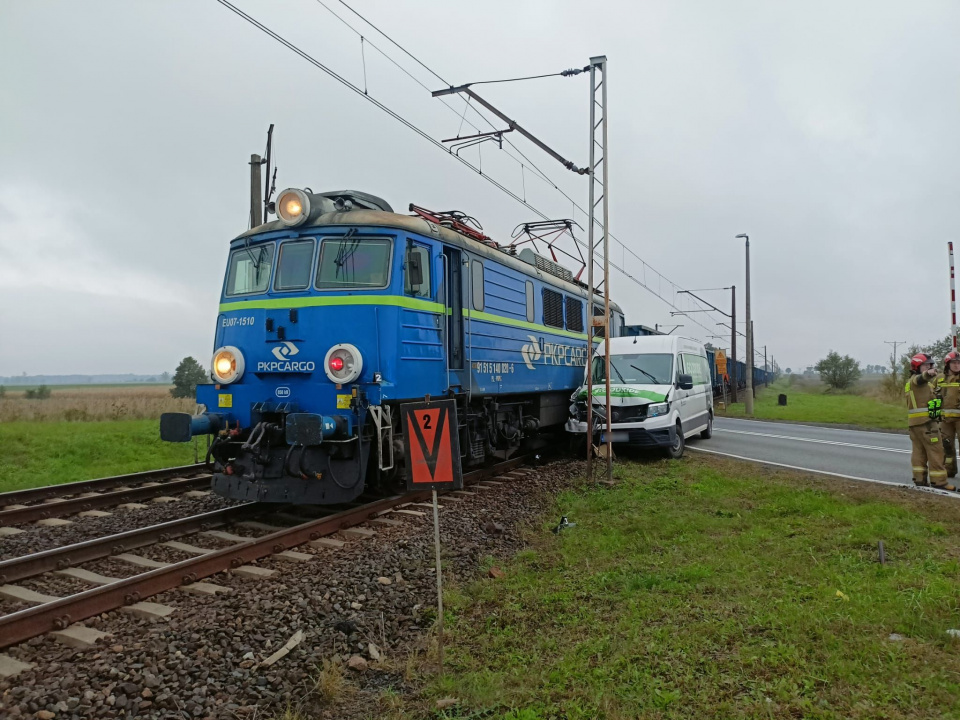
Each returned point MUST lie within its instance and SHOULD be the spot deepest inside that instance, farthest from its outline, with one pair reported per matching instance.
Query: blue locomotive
(340, 310)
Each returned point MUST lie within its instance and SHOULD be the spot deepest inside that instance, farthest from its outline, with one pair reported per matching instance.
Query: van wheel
(675, 451)
(708, 433)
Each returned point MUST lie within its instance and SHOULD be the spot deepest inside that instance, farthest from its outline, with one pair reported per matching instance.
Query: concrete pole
(256, 202)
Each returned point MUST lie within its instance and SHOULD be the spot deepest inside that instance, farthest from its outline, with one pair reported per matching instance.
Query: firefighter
(923, 417)
(950, 424)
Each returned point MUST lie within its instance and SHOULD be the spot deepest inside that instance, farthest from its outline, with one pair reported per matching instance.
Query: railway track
(60, 613)
(57, 501)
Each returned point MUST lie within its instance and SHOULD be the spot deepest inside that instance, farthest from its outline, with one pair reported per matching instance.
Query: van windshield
(639, 369)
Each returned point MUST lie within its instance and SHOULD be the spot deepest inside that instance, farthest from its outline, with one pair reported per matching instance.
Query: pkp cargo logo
(552, 354)
(531, 352)
(285, 350)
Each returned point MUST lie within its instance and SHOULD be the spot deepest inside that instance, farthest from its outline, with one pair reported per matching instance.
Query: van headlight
(227, 365)
(658, 409)
(343, 363)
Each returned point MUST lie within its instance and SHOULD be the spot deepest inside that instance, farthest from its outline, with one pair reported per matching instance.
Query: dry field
(99, 402)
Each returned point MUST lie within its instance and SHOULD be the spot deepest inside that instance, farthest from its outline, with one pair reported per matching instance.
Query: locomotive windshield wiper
(345, 252)
(255, 260)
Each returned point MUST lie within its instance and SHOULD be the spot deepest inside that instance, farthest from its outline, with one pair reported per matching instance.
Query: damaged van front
(659, 394)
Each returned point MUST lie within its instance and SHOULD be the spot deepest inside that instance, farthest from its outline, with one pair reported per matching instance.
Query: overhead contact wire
(399, 118)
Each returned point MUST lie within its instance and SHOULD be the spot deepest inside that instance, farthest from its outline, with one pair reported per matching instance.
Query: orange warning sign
(431, 439)
(721, 361)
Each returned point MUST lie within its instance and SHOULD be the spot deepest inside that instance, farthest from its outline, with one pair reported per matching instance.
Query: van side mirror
(414, 269)
(685, 382)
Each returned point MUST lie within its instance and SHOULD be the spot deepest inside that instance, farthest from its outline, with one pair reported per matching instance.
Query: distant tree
(39, 393)
(189, 374)
(789, 371)
(838, 372)
(165, 378)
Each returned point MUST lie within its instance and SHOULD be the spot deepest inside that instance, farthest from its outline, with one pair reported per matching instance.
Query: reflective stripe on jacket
(919, 391)
(950, 392)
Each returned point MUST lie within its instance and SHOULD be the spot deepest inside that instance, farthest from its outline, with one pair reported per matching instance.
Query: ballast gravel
(36, 538)
(369, 598)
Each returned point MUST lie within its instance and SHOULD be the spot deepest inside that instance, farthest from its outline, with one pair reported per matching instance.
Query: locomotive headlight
(343, 363)
(293, 206)
(227, 365)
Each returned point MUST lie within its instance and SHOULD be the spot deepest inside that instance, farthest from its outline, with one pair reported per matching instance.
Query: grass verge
(713, 589)
(813, 405)
(48, 453)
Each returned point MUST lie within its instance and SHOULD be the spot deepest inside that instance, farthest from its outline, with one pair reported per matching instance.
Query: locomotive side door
(453, 299)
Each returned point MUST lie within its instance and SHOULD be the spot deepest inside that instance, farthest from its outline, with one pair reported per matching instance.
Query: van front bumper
(634, 434)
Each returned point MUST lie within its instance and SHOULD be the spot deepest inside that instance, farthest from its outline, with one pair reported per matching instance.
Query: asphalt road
(853, 454)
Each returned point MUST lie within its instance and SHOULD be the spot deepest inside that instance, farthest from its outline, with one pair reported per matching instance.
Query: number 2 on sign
(426, 423)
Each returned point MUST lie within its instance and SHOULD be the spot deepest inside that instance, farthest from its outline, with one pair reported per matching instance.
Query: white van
(660, 393)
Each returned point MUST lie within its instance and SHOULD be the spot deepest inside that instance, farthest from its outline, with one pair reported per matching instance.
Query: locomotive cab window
(416, 271)
(249, 270)
(599, 330)
(294, 266)
(352, 261)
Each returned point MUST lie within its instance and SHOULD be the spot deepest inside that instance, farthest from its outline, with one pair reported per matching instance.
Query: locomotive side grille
(552, 308)
(545, 264)
(574, 315)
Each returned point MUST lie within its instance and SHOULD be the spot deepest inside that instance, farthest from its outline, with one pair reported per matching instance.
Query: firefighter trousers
(927, 454)
(948, 432)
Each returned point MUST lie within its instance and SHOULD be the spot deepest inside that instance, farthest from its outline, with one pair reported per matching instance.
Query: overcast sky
(828, 131)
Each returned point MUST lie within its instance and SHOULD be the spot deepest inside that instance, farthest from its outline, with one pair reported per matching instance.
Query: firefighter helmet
(950, 357)
(919, 359)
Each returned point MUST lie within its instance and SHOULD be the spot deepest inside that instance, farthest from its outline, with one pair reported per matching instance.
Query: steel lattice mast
(598, 67)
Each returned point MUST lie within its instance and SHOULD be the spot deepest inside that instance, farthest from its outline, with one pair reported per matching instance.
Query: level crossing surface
(855, 454)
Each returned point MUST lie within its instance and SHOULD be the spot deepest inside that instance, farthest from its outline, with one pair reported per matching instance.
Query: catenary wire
(467, 105)
(530, 162)
(316, 63)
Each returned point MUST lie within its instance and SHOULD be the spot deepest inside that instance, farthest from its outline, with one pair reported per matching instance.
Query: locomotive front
(296, 371)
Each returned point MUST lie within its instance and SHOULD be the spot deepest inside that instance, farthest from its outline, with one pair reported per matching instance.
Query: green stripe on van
(625, 392)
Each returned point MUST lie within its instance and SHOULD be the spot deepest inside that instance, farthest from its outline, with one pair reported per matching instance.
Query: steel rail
(27, 566)
(32, 513)
(59, 614)
(16, 497)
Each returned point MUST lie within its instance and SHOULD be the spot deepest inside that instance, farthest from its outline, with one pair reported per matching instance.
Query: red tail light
(336, 364)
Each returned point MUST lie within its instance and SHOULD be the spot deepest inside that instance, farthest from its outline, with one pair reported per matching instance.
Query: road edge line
(932, 491)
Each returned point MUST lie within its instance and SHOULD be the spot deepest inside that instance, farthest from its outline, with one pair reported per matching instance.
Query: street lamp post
(749, 398)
